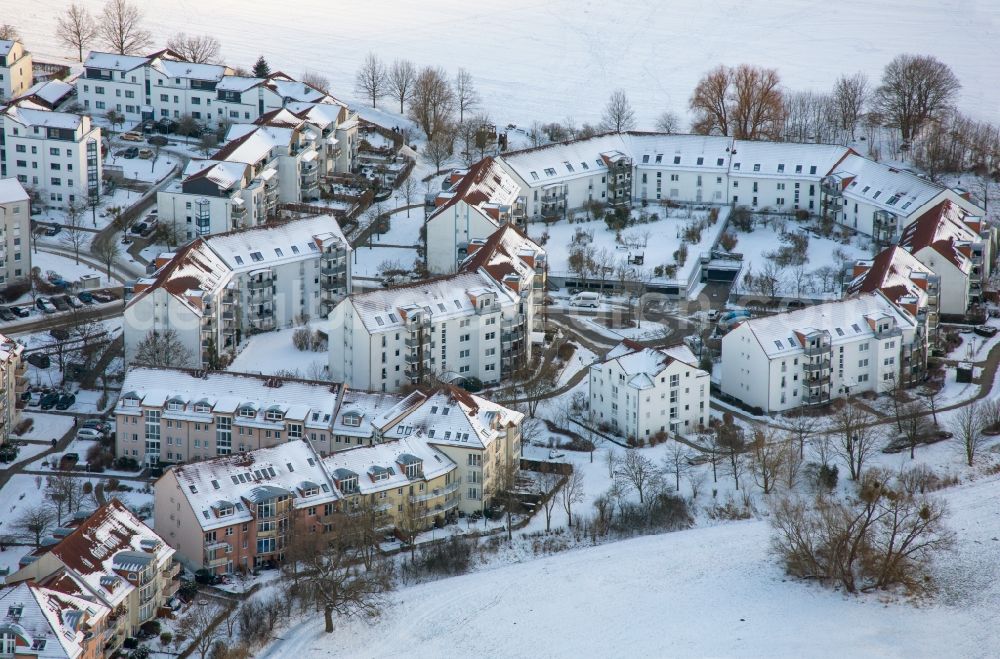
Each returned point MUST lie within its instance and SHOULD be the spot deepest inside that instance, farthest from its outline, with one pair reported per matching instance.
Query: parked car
(85, 297)
(6, 314)
(147, 126)
(20, 312)
(586, 299)
(53, 230)
(131, 153)
(49, 400)
(39, 360)
(102, 427)
(72, 301)
(66, 401)
(68, 460)
(103, 297)
(34, 398)
(89, 433)
(60, 303)
(45, 305)
(158, 140)
(139, 228)
(132, 136)
(986, 330)
(145, 153)
(555, 454)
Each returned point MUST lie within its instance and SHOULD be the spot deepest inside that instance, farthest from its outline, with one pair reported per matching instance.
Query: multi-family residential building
(15, 69)
(812, 355)
(479, 202)
(218, 290)
(14, 379)
(15, 225)
(956, 246)
(785, 177)
(42, 623)
(56, 155)
(242, 511)
(642, 392)
(110, 559)
(179, 415)
(904, 280)
(462, 326)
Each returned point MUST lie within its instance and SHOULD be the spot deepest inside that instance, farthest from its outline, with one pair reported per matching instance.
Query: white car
(89, 433)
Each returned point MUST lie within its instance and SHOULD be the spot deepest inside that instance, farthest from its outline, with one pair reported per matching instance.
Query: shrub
(188, 589)
(112, 484)
(24, 426)
(151, 628)
(88, 487)
(15, 290)
(302, 339)
(141, 652)
(742, 219)
(728, 241)
(566, 351)
(166, 637)
(713, 216)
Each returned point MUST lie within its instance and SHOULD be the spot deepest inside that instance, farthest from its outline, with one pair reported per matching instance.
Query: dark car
(60, 303)
(49, 400)
(103, 297)
(131, 153)
(39, 360)
(53, 230)
(65, 401)
(98, 425)
(85, 297)
(20, 312)
(60, 333)
(6, 314)
(986, 330)
(158, 140)
(139, 228)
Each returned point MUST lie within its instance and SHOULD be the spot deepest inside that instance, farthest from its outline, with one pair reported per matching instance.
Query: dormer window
(413, 470)
(202, 407)
(174, 405)
(275, 415)
(311, 492)
(225, 511)
(130, 400)
(352, 419)
(248, 412)
(348, 485)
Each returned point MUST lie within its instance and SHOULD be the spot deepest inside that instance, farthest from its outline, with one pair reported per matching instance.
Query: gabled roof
(784, 159)
(274, 244)
(507, 251)
(642, 364)
(49, 93)
(11, 191)
(896, 273)
(51, 624)
(193, 272)
(486, 183)
(27, 113)
(114, 61)
(223, 173)
(382, 466)
(451, 416)
(884, 186)
(179, 68)
(943, 229)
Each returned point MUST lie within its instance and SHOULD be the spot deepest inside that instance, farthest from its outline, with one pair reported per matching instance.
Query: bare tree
(850, 93)
(432, 103)
(745, 102)
(400, 81)
(408, 189)
(199, 625)
(73, 236)
(466, 96)
(914, 89)
(76, 29)
(121, 28)
(571, 493)
(339, 587)
(967, 425)
(856, 436)
(107, 251)
(197, 48)
(550, 496)
(931, 392)
(677, 462)
(34, 523)
(913, 424)
(668, 122)
(371, 78)
(162, 348)
(611, 461)
(618, 113)
(638, 471)
(9, 32)
(316, 80)
(802, 427)
(768, 454)
(732, 444)
(65, 492)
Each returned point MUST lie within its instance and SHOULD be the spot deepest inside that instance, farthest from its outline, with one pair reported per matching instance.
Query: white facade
(54, 154)
(15, 70)
(218, 290)
(809, 356)
(15, 232)
(641, 392)
(466, 325)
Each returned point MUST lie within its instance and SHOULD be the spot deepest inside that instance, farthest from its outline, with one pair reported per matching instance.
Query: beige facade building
(15, 70)
(15, 232)
(42, 623)
(13, 380)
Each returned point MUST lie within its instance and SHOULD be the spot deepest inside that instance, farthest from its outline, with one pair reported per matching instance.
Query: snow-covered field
(271, 352)
(368, 261)
(561, 59)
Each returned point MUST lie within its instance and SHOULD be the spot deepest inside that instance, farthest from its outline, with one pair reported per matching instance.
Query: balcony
(820, 349)
(441, 508)
(889, 333)
(416, 341)
(488, 308)
(816, 379)
(255, 284)
(333, 270)
(817, 366)
(170, 588)
(171, 570)
(816, 399)
(413, 358)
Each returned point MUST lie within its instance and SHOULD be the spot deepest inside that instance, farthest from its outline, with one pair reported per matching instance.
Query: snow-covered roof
(897, 273)
(445, 297)
(844, 321)
(686, 152)
(507, 252)
(90, 550)
(311, 402)
(49, 92)
(5, 46)
(358, 410)
(274, 244)
(47, 624)
(114, 61)
(318, 114)
(561, 161)
(450, 416)
(223, 173)
(294, 90)
(237, 83)
(11, 191)
(381, 466)
(27, 113)
(252, 144)
(643, 364)
(784, 159)
(227, 484)
(486, 187)
(190, 70)
(195, 271)
(884, 186)
(943, 229)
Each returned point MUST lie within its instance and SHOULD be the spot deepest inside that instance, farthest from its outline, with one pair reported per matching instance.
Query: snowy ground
(67, 267)
(46, 427)
(141, 169)
(403, 230)
(271, 352)
(369, 261)
(574, 54)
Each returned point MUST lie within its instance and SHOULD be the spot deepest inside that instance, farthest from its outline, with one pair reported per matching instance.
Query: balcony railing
(816, 399)
(415, 341)
(814, 367)
(889, 333)
(822, 348)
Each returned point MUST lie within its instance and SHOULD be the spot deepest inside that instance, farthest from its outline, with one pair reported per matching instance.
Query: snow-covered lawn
(271, 352)
(403, 230)
(46, 427)
(369, 261)
(66, 266)
(141, 169)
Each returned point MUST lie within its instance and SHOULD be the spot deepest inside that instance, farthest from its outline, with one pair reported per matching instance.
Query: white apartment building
(42, 623)
(956, 246)
(785, 177)
(641, 392)
(812, 355)
(15, 232)
(485, 198)
(112, 559)
(56, 155)
(14, 379)
(466, 325)
(218, 290)
(15, 70)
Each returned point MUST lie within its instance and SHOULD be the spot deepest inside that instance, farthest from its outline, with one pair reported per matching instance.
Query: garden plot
(272, 353)
(795, 258)
(371, 262)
